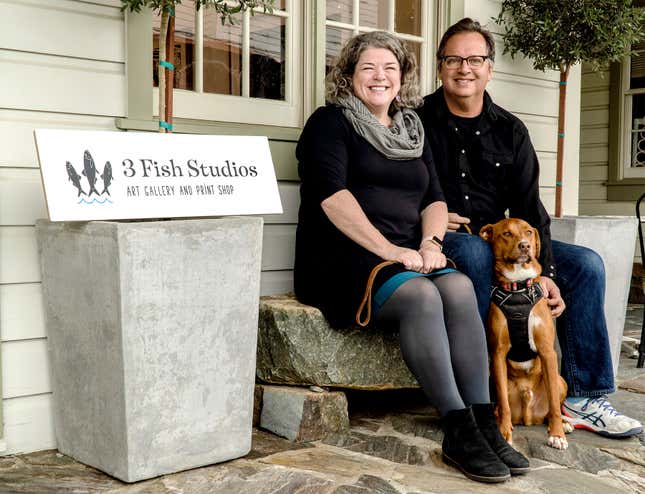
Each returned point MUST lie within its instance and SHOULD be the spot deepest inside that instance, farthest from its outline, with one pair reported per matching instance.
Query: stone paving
(393, 447)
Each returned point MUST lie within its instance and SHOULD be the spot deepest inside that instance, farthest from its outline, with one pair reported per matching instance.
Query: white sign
(93, 175)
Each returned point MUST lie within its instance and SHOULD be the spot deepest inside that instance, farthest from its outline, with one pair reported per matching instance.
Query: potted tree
(557, 35)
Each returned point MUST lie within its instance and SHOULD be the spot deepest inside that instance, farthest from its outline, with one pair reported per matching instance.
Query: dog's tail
(526, 395)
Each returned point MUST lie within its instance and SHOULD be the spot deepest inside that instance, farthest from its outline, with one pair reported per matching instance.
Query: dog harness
(516, 301)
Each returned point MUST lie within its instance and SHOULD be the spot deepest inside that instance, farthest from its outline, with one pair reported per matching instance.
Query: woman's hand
(432, 257)
(411, 259)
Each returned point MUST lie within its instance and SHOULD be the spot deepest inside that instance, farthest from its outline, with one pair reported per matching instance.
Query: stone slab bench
(296, 346)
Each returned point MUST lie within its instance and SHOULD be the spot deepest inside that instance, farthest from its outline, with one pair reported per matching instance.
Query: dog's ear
(486, 232)
(536, 239)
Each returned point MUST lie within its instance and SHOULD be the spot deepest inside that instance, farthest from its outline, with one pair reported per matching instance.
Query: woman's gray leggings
(442, 338)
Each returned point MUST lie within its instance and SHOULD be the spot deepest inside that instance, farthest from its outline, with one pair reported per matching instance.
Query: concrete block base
(152, 330)
(300, 414)
(614, 239)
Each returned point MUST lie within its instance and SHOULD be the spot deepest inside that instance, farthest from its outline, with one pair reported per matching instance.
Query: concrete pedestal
(152, 330)
(614, 239)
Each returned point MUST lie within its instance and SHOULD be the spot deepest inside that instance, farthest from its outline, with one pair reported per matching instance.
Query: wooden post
(161, 70)
(170, 73)
(564, 75)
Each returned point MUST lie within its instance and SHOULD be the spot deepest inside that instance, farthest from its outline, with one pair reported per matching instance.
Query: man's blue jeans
(582, 330)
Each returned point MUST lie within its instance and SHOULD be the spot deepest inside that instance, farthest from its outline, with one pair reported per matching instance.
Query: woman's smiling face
(377, 79)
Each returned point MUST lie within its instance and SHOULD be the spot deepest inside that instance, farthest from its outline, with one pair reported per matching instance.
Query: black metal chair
(641, 347)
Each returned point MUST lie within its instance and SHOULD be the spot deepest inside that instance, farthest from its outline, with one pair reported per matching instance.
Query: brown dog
(523, 358)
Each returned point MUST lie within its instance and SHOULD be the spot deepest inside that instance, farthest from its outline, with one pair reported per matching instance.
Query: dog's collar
(516, 286)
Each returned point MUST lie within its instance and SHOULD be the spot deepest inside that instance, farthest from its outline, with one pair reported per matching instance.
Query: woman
(370, 193)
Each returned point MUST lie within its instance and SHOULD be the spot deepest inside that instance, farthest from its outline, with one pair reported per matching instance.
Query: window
(252, 66)
(634, 114)
(245, 59)
(407, 19)
(627, 127)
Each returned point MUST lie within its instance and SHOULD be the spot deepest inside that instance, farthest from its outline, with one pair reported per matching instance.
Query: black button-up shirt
(487, 167)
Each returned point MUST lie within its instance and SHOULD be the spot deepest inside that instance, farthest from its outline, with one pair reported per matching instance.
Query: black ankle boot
(516, 462)
(465, 447)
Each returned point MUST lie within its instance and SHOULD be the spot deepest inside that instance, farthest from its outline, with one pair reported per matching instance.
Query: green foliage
(556, 34)
(226, 10)
(156, 5)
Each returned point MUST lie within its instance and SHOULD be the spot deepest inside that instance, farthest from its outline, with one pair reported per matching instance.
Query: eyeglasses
(455, 61)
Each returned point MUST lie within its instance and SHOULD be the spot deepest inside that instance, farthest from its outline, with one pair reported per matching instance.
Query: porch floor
(393, 448)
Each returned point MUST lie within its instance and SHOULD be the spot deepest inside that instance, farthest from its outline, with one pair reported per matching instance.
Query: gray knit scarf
(402, 141)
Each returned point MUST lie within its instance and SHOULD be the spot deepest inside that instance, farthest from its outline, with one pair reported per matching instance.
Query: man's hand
(455, 221)
(552, 295)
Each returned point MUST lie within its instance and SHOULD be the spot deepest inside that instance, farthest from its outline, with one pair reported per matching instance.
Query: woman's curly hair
(338, 83)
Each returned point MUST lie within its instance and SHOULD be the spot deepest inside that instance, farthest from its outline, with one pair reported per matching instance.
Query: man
(487, 165)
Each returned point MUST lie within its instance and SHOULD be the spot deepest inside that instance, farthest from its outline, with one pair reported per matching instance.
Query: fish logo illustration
(107, 178)
(75, 178)
(92, 175)
(89, 170)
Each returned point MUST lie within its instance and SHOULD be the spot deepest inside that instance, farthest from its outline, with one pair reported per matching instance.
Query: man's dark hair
(467, 25)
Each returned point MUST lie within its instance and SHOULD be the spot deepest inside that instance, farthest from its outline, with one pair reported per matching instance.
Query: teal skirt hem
(388, 288)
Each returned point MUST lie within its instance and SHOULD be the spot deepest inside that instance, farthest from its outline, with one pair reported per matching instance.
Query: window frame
(211, 106)
(195, 107)
(620, 185)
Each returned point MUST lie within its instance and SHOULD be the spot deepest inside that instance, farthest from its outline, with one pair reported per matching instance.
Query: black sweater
(330, 269)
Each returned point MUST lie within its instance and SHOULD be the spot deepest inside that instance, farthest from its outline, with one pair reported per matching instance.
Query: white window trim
(619, 186)
(622, 185)
(626, 123)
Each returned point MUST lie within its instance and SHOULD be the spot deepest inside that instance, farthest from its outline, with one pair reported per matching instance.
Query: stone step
(366, 474)
(301, 414)
(296, 345)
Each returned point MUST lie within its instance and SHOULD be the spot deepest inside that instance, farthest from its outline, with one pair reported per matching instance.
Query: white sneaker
(597, 415)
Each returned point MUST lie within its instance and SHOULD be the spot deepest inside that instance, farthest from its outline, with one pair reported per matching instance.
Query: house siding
(63, 66)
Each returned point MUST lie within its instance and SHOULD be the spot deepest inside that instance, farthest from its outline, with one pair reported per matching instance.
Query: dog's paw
(558, 442)
(507, 433)
(568, 428)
